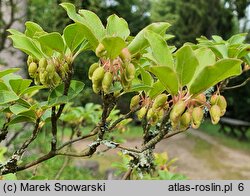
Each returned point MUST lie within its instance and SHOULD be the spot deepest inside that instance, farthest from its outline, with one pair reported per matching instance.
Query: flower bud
(50, 68)
(56, 79)
(43, 77)
(201, 98)
(159, 101)
(222, 103)
(150, 114)
(92, 68)
(96, 88)
(129, 72)
(43, 63)
(100, 50)
(154, 119)
(30, 60)
(213, 99)
(98, 75)
(185, 120)
(160, 114)
(134, 102)
(66, 67)
(177, 110)
(126, 84)
(215, 113)
(32, 69)
(197, 116)
(125, 55)
(107, 81)
(141, 113)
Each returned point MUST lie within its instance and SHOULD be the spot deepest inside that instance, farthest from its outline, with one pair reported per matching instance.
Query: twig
(92, 133)
(4, 130)
(172, 134)
(65, 92)
(25, 145)
(54, 128)
(237, 86)
(126, 116)
(129, 149)
(66, 162)
(126, 176)
(16, 134)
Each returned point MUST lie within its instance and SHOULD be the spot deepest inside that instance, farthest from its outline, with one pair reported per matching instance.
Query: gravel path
(200, 156)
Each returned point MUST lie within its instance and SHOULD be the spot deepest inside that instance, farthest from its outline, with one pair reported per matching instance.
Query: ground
(200, 156)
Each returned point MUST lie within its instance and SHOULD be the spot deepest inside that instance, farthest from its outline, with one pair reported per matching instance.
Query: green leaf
(205, 57)
(213, 74)
(71, 11)
(8, 71)
(113, 46)
(217, 39)
(139, 87)
(157, 88)
(3, 86)
(33, 29)
(186, 64)
(117, 27)
(75, 88)
(19, 85)
(146, 77)
(23, 102)
(93, 22)
(32, 90)
(52, 40)
(237, 39)
(243, 51)
(17, 109)
(140, 42)
(20, 119)
(168, 77)
(27, 45)
(14, 32)
(160, 49)
(73, 35)
(57, 96)
(7, 96)
(90, 34)
(220, 50)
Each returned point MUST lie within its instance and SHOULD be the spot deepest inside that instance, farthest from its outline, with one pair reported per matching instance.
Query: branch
(4, 130)
(11, 165)
(65, 92)
(127, 174)
(54, 128)
(25, 145)
(92, 133)
(55, 116)
(16, 134)
(8, 25)
(237, 86)
(126, 116)
(173, 133)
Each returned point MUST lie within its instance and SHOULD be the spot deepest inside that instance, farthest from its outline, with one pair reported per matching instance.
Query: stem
(4, 130)
(127, 174)
(16, 134)
(237, 86)
(54, 128)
